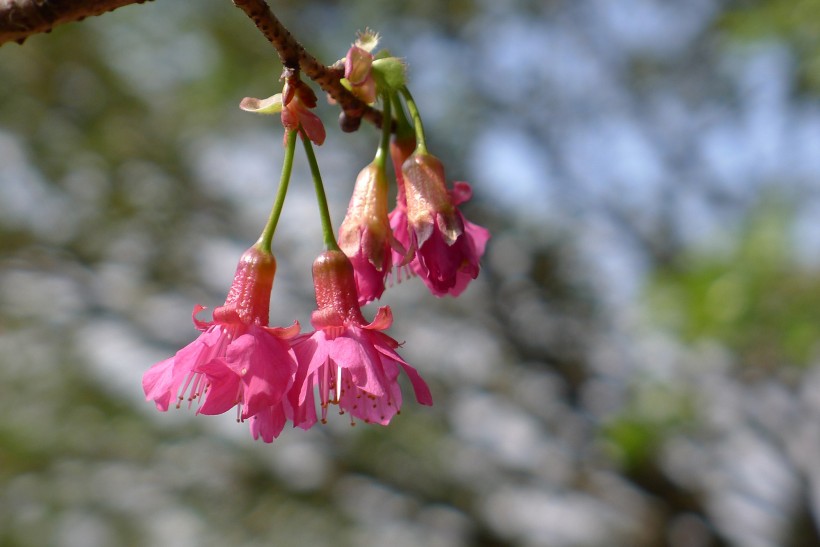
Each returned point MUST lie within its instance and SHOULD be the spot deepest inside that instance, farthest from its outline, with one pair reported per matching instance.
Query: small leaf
(271, 105)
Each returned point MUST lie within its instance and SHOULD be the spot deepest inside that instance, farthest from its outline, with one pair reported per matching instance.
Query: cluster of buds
(271, 375)
(425, 234)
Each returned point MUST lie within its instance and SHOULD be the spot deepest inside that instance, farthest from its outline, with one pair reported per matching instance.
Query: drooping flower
(353, 363)
(365, 235)
(447, 247)
(238, 360)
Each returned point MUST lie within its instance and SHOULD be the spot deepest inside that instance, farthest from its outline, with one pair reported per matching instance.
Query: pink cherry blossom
(447, 247)
(238, 360)
(365, 235)
(353, 363)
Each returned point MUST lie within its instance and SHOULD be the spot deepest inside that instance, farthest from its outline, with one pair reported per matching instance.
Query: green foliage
(754, 297)
(795, 21)
(656, 412)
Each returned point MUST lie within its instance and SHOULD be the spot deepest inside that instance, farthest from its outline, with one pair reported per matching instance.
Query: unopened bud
(349, 123)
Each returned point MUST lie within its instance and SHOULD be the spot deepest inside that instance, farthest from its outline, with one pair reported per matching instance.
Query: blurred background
(635, 365)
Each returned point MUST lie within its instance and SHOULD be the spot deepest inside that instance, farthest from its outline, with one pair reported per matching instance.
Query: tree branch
(295, 57)
(19, 19)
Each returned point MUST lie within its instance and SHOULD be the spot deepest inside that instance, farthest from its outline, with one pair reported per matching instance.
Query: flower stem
(266, 238)
(384, 145)
(321, 198)
(421, 146)
(403, 127)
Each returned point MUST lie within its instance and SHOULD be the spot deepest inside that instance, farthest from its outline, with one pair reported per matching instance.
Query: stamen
(339, 383)
(323, 385)
(192, 381)
(195, 392)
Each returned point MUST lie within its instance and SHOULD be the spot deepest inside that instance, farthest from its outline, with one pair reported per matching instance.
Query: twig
(19, 19)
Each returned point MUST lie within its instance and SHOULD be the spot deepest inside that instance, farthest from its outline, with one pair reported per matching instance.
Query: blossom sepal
(390, 72)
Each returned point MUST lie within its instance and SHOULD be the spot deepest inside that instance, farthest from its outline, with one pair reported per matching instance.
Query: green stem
(421, 146)
(266, 238)
(384, 146)
(321, 198)
(403, 127)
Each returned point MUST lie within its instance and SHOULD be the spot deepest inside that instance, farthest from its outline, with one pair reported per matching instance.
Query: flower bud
(447, 247)
(428, 202)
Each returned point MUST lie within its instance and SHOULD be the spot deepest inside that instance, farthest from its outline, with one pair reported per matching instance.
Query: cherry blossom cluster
(272, 376)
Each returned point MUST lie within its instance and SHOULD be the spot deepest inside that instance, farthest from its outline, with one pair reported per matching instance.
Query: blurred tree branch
(19, 19)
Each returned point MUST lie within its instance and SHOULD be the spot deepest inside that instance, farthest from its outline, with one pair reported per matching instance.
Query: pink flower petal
(200, 325)
(369, 280)
(285, 333)
(479, 235)
(312, 126)
(265, 367)
(420, 387)
(461, 192)
(309, 357)
(268, 423)
(382, 321)
(347, 353)
(384, 344)
(223, 388)
(437, 264)
(165, 381)
(311, 353)
(378, 410)
(158, 382)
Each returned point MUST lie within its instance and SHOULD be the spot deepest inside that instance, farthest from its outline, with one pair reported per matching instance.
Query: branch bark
(19, 19)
